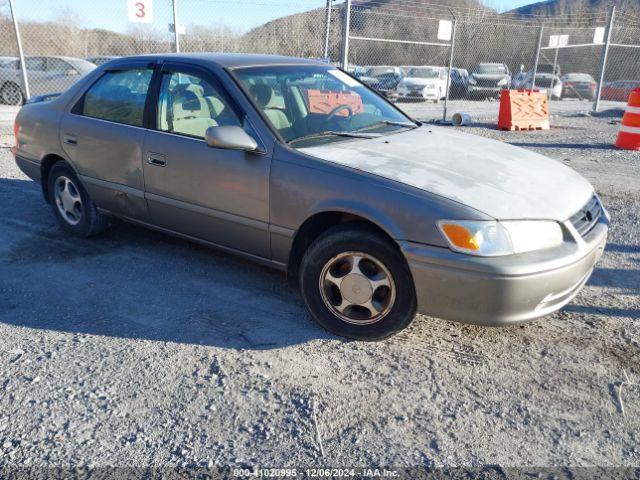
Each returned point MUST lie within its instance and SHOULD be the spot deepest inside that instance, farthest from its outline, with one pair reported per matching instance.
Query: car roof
(61, 57)
(226, 60)
(422, 66)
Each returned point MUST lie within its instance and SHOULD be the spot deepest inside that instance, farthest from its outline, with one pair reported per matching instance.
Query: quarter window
(188, 105)
(34, 63)
(56, 65)
(119, 97)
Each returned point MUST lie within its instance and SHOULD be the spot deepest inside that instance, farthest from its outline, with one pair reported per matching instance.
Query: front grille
(586, 218)
(487, 83)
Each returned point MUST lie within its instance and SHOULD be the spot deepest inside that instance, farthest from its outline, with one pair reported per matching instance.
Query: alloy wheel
(68, 200)
(357, 288)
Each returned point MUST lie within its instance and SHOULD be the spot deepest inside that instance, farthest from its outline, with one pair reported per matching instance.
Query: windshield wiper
(331, 133)
(389, 122)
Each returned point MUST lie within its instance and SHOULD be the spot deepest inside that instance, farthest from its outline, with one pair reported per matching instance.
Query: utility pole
(327, 33)
(453, 43)
(603, 61)
(176, 35)
(345, 34)
(537, 60)
(23, 66)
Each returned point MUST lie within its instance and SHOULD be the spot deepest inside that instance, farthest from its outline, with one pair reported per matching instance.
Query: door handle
(70, 139)
(156, 159)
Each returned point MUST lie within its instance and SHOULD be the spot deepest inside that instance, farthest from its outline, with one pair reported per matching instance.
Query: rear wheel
(71, 204)
(11, 94)
(357, 284)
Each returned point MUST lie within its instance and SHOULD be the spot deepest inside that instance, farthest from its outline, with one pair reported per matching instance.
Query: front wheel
(357, 284)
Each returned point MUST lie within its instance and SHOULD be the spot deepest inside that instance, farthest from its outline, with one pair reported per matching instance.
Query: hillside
(562, 7)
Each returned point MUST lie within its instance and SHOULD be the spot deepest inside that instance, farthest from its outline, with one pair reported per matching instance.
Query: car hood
(409, 81)
(498, 179)
(493, 77)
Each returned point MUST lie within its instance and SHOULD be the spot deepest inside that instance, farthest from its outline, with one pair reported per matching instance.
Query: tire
(81, 217)
(11, 94)
(336, 248)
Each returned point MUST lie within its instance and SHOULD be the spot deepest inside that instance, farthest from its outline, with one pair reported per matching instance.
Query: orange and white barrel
(629, 133)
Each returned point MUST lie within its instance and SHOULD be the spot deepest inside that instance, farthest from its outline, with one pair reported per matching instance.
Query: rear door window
(119, 96)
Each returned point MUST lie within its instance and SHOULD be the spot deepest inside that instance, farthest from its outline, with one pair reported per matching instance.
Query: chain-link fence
(569, 56)
(435, 58)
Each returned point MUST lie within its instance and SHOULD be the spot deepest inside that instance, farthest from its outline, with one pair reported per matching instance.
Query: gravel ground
(134, 349)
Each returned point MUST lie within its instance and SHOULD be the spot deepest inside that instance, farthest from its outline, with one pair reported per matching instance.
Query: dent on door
(108, 158)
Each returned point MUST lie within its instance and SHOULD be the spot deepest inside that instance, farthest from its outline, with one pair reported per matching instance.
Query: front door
(217, 195)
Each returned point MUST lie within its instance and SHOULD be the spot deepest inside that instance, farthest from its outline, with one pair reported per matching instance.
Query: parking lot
(137, 349)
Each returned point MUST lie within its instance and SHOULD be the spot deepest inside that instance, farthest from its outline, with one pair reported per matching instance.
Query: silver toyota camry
(298, 165)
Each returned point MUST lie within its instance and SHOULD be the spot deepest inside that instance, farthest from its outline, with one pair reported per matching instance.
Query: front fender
(303, 186)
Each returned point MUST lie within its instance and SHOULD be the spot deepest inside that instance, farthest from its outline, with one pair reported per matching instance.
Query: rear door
(217, 195)
(103, 136)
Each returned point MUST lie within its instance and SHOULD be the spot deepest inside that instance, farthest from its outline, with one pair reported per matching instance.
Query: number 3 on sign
(140, 10)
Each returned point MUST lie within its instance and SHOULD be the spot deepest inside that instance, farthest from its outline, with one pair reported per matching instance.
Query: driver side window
(188, 105)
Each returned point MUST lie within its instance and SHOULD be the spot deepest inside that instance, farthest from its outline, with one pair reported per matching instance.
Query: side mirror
(230, 137)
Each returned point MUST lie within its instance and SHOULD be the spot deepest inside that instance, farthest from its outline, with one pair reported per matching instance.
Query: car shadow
(604, 311)
(627, 280)
(621, 248)
(580, 146)
(131, 282)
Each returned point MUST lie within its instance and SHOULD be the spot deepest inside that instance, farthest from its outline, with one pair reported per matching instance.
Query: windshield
(375, 71)
(490, 69)
(578, 77)
(309, 104)
(424, 73)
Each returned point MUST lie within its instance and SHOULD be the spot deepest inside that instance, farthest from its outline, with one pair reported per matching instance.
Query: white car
(552, 84)
(424, 83)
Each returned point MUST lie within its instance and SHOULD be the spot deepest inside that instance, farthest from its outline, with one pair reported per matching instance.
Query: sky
(241, 15)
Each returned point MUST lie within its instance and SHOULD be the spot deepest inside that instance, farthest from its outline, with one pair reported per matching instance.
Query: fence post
(603, 61)
(23, 66)
(453, 43)
(535, 63)
(553, 74)
(345, 34)
(176, 35)
(327, 33)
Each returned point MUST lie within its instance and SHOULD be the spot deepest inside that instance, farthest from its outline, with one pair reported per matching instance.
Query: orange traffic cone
(629, 133)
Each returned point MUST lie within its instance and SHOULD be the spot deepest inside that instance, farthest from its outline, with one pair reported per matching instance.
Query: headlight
(502, 82)
(491, 238)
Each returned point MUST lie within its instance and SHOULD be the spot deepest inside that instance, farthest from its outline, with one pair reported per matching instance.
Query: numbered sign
(444, 30)
(140, 11)
(558, 40)
(598, 35)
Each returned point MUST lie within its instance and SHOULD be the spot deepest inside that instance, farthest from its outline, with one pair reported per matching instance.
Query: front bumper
(389, 94)
(578, 93)
(419, 94)
(484, 91)
(502, 290)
